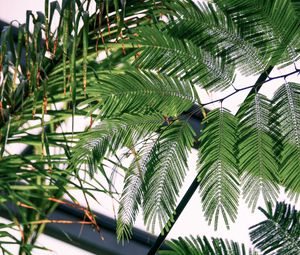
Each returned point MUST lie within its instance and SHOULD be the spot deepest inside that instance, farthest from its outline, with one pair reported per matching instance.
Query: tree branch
(254, 87)
(194, 185)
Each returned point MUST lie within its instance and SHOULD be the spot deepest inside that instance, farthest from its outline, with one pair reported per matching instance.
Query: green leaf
(218, 173)
(165, 172)
(154, 178)
(278, 19)
(287, 107)
(141, 92)
(258, 164)
(163, 53)
(208, 27)
(280, 232)
(202, 246)
(111, 135)
(132, 193)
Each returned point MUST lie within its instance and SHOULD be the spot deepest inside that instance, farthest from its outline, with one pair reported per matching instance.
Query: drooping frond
(132, 193)
(218, 174)
(166, 169)
(278, 19)
(258, 164)
(287, 107)
(209, 28)
(154, 178)
(130, 202)
(111, 135)
(279, 233)
(141, 92)
(164, 53)
(202, 246)
(165, 173)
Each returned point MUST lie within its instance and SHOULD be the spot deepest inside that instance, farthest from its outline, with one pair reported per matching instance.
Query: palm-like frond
(141, 92)
(133, 192)
(154, 178)
(204, 48)
(10, 239)
(129, 204)
(280, 233)
(202, 246)
(164, 53)
(111, 135)
(211, 29)
(278, 19)
(31, 88)
(218, 174)
(165, 173)
(258, 164)
(287, 107)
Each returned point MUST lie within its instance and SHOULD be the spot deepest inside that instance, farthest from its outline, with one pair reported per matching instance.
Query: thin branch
(169, 225)
(263, 78)
(254, 87)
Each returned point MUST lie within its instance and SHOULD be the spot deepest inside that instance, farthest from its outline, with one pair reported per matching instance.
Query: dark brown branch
(254, 87)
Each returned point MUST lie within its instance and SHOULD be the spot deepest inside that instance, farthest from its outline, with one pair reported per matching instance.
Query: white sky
(191, 222)
(16, 9)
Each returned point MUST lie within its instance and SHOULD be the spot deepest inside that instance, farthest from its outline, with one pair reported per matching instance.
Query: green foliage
(132, 194)
(267, 151)
(208, 27)
(111, 135)
(156, 53)
(202, 246)
(287, 106)
(164, 53)
(154, 178)
(141, 92)
(218, 170)
(39, 93)
(258, 164)
(165, 173)
(278, 19)
(280, 233)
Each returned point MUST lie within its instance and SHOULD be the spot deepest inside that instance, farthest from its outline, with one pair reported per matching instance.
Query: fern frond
(137, 92)
(130, 202)
(154, 178)
(280, 233)
(111, 135)
(258, 164)
(181, 58)
(218, 174)
(207, 26)
(202, 246)
(165, 173)
(133, 191)
(278, 19)
(287, 107)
